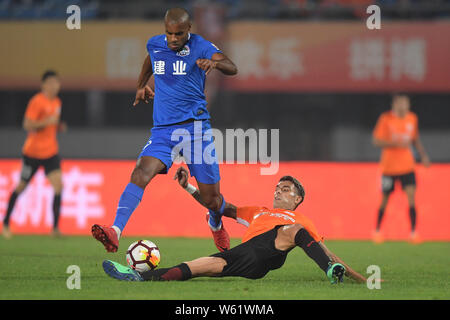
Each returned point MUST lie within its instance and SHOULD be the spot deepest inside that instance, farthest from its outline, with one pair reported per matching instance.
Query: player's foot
(414, 238)
(117, 271)
(56, 233)
(6, 232)
(107, 236)
(335, 273)
(377, 237)
(221, 237)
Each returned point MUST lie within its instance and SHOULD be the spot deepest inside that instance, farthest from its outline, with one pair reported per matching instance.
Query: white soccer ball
(143, 255)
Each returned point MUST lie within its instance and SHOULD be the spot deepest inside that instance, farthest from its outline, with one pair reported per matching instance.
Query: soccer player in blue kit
(179, 62)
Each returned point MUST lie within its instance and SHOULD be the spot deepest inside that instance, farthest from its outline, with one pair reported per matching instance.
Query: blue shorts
(194, 141)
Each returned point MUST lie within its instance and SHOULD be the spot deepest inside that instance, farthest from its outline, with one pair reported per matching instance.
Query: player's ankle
(214, 225)
(118, 231)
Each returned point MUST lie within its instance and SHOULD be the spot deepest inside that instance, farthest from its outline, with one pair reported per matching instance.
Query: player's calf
(117, 271)
(146, 169)
(312, 248)
(216, 206)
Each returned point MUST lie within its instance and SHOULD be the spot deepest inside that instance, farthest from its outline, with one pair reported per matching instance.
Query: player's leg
(154, 158)
(409, 186)
(201, 267)
(147, 167)
(387, 186)
(53, 172)
(207, 176)
(384, 201)
(290, 236)
(55, 179)
(215, 202)
(29, 168)
(410, 191)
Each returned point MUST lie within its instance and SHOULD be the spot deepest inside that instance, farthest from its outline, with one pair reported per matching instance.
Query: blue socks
(215, 218)
(128, 202)
(131, 197)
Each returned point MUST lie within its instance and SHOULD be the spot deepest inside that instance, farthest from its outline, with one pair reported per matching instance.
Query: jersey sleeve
(310, 227)
(209, 49)
(150, 45)
(380, 132)
(244, 215)
(33, 109)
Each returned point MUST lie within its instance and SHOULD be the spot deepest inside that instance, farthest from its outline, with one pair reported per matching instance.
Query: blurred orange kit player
(395, 132)
(42, 122)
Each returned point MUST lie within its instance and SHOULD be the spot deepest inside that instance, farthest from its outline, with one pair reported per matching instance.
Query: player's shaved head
(178, 24)
(177, 16)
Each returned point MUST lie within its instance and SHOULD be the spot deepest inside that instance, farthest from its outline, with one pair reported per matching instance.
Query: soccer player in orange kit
(395, 132)
(42, 122)
(271, 235)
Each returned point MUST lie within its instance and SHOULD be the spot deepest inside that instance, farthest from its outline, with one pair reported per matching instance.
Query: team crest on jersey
(184, 52)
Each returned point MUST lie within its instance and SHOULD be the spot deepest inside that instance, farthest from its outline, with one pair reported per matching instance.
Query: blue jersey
(179, 82)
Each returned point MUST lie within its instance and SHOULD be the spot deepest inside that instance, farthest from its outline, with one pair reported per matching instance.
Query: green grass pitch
(34, 267)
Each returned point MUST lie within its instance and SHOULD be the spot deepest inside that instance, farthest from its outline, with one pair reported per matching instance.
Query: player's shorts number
(386, 183)
(27, 170)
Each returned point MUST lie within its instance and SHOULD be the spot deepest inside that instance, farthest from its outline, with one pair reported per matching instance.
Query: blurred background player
(179, 62)
(271, 235)
(395, 133)
(42, 123)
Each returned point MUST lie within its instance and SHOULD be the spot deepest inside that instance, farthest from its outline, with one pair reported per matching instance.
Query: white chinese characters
(381, 59)
(179, 68)
(81, 198)
(158, 67)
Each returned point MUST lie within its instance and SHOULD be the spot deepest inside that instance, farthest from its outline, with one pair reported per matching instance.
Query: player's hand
(182, 175)
(51, 120)
(143, 94)
(62, 126)
(426, 161)
(206, 64)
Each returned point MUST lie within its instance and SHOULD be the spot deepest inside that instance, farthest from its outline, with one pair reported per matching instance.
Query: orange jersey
(42, 144)
(390, 128)
(261, 219)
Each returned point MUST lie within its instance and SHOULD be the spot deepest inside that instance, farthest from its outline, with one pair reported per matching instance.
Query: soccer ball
(143, 255)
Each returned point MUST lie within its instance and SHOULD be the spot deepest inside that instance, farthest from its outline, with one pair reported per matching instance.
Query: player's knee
(20, 187)
(212, 201)
(141, 176)
(57, 187)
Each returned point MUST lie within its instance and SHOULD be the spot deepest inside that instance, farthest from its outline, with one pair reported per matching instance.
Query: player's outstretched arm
(349, 272)
(220, 62)
(182, 175)
(144, 92)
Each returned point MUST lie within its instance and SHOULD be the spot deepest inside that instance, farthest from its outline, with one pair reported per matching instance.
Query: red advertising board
(341, 199)
(340, 56)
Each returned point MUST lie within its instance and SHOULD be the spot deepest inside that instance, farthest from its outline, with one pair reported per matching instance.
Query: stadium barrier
(341, 198)
(278, 56)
